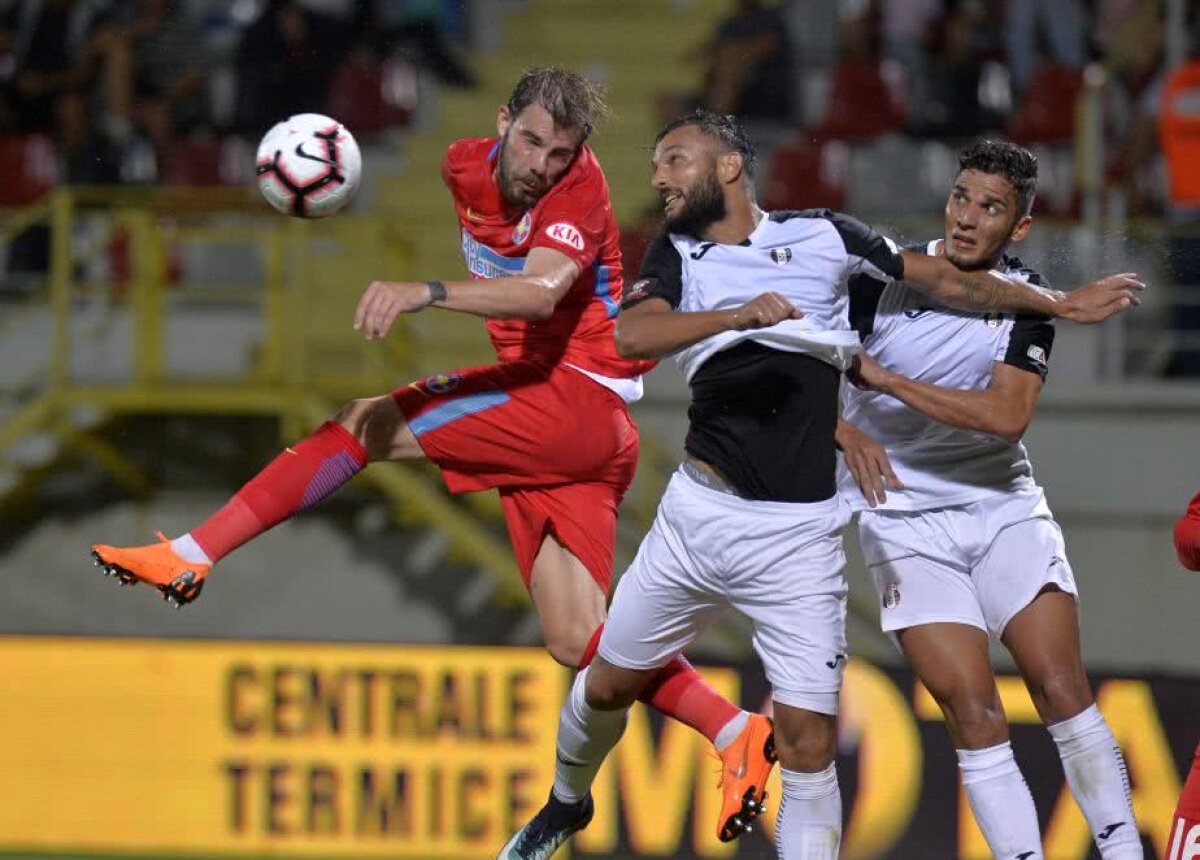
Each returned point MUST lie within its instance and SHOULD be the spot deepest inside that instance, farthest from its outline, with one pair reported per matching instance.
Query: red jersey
(574, 218)
(1187, 536)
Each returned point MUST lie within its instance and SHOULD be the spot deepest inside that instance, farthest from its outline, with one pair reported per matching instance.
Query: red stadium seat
(209, 161)
(807, 175)
(862, 103)
(33, 166)
(369, 96)
(1046, 112)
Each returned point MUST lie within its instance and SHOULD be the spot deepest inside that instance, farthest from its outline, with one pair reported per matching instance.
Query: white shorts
(779, 564)
(978, 564)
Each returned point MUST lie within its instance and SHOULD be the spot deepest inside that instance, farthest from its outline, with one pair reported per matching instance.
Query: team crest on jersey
(443, 383)
(993, 320)
(781, 255)
(521, 233)
(638, 289)
(891, 595)
(566, 234)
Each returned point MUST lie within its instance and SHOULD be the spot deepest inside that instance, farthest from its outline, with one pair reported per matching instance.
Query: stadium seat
(370, 96)
(1046, 111)
(209, 161)
(34, 169)
(807, 175)
(864, 102)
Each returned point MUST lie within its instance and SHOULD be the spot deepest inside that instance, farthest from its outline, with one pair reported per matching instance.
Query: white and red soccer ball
(308, 166)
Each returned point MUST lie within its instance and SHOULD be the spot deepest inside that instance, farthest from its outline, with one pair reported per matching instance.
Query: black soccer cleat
(548, 830)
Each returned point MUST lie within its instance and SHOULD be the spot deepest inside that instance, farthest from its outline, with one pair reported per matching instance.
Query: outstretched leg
(303, 475)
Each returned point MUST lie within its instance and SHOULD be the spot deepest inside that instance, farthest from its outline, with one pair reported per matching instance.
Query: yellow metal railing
(306, 359)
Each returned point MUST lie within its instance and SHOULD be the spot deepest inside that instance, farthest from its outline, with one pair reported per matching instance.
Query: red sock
(679, 692)
(295, 480)
(1185, 827)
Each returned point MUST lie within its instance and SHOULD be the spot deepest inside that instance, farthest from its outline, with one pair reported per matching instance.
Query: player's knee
(611, 691)
(565, 649)
(974, 722)
(1061, 695)
(806, 742)
(567, 643)
(379, 426)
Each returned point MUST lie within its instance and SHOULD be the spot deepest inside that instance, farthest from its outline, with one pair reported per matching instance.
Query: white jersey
(940, 465)
(799, 255)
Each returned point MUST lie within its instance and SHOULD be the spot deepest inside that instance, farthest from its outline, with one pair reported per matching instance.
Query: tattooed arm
(982, 290)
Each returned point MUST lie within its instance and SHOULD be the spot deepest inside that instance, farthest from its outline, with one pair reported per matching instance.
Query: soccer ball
(308, 166)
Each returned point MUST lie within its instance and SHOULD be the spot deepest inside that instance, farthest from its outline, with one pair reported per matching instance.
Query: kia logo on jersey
(565, 234)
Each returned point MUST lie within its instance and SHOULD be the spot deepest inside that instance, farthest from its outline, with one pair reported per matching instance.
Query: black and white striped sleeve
(660, 277)
(867, 252)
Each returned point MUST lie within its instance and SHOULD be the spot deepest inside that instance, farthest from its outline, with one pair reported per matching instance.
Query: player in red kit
(547, 425)
(1184, 843)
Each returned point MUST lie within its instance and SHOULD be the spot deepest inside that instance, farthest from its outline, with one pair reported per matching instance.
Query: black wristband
(437, 291)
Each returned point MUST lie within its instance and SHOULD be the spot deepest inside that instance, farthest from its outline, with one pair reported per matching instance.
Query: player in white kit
(752, 520)
(962, 543)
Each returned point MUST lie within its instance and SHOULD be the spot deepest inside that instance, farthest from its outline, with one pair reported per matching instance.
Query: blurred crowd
(949, 70)
(142, 90)
(139, 90)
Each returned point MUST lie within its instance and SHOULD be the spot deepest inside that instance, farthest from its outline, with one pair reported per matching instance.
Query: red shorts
(560, 447)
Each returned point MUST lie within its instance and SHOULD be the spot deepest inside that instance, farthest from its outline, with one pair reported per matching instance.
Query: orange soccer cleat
(157, 564)
(745, 766)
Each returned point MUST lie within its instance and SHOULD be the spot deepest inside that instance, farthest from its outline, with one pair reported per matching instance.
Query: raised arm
(533, 294)
(979, 291)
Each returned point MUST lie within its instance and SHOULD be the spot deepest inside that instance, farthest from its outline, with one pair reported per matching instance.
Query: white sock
(809, 823)
(585, 736)
(186, 548)
(1096, 773)
(730, 731)
(1001, 802)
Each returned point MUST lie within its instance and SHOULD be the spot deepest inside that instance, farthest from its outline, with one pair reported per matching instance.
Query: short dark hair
(571, 99)
(1001, 158)
(725, 129)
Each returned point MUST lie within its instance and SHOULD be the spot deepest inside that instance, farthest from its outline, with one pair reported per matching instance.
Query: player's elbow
(1010, 430)
(541, 308)
(540, 298)
(536, 304)
(628, 343)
